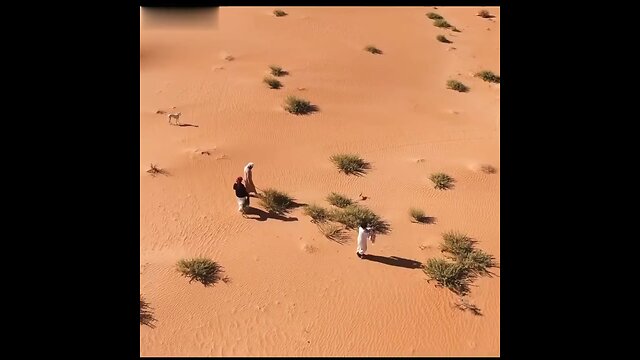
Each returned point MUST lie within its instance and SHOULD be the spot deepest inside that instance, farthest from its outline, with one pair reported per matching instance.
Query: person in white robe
(248, 178)
(365, 233)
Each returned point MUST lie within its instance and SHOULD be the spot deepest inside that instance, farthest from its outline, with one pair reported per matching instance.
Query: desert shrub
(298, 106)
(332, 231)
(441, 181)
(484, 14)
(372, 49)
(146, 316)
(200, 269)
(488, 76)
(457, 244)
(417, 215)
(454, 276)
(317, 213)
(457, 86)
(443, 39)
(478, 262)
(434, 16)
(275, 201)
(339, 200)
(273, 83)
(352, 215)
(441, 23)
(155, 170)
(279, 13)
(277, 70)
(488, 169)
(350, 164)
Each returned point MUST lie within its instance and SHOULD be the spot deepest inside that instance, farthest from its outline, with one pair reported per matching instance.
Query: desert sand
(291, 291)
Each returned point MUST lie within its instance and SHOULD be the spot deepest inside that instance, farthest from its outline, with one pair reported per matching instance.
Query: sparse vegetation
(317, 213)
(276, 201)
(273, 83)
(277, 70)
(339, 200)
(229, 58)
(352, 215)
(418, 215)
(332, 231)
(155, 170)
(200, 269)
(298, 106)
(372, 49)
(488, 76)
(442, 23)
(488, 169)
(443, 39)
(434, 16)
(458, 245)
(469, 263)
(453, 276)
(484, 14)
(455, 29)
(441, 181)
(146, 316)
(457, 86)
(279, 13)
(350, 164)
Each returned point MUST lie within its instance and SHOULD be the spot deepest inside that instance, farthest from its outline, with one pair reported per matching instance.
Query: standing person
(248, 178)
(241, 195)
(364, 233)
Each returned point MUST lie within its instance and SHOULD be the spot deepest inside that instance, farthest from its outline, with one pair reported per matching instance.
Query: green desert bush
(488, 76)
(441, 181)
(298, 106)
(339, 200)
(276, 201)
(457, 244)
(350, 163)
(417, 215)
(273, 83)
(372, 49)
(442, 23)
(203, 270)
(279, 13)
(352, 215)
(478, 262)
(318, 214)
(443, 39)
(454, 276)
(277, 70)
(457, 86)
(434, 16)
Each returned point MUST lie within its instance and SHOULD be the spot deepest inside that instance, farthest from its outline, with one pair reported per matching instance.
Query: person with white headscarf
(365, 233)
(248, 178)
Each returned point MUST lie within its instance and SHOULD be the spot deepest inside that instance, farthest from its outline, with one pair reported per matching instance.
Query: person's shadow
(262, 215)
(394, 261)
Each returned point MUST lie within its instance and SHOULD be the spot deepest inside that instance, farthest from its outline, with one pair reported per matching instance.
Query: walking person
(248, 178)
(241, 195)
(365, 232)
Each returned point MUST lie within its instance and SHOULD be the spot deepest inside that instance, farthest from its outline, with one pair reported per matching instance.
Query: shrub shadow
(425, 220)
(146, 314)
(262, 215)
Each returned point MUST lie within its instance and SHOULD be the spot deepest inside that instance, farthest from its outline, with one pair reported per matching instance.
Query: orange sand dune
(293, 292)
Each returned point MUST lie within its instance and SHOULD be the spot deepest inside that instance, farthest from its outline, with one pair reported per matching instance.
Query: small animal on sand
(175, 116)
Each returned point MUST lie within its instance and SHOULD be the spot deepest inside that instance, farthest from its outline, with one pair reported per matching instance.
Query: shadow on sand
(262, 215)
(394, 261)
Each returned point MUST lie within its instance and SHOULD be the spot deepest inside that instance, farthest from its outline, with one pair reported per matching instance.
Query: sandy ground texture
(290, 291)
